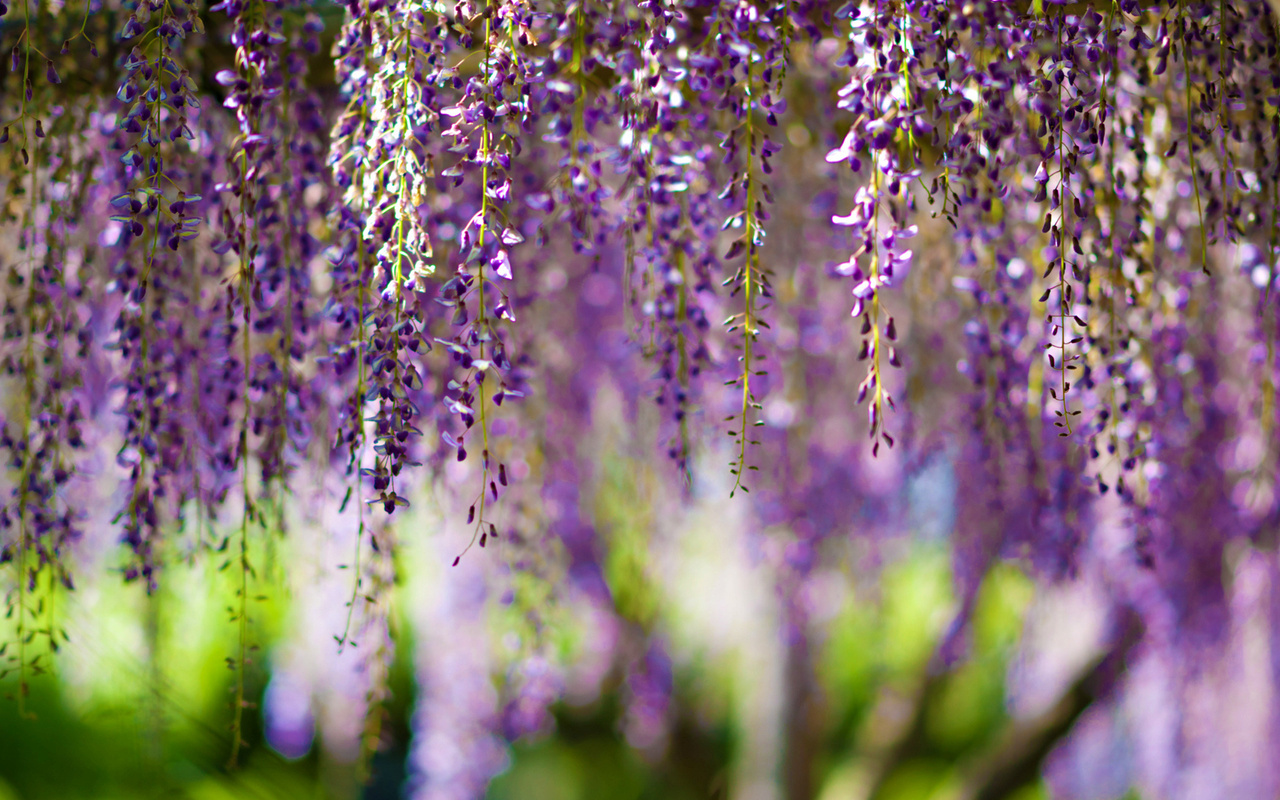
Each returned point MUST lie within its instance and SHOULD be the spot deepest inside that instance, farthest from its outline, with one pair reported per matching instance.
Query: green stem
(1191, 152)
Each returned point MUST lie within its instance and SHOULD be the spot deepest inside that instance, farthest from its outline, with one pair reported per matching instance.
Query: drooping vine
(306, 245)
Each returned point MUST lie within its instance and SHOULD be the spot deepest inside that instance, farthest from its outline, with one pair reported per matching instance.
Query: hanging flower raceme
(409, 43)
(488, 120)
(883, 60)
(258, 199)
(396, 53)
(349, 302)
(252, 304)
(670, 204)
(157, 103)
(41, 432)
(587, 38)
(736, 45)
(286, 275)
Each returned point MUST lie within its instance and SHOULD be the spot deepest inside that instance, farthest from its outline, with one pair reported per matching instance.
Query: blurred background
(678, 676)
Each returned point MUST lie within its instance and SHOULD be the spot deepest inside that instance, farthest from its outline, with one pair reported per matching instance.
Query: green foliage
(624, 515)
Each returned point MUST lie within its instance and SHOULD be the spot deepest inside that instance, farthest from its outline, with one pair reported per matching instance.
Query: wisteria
(458, 271)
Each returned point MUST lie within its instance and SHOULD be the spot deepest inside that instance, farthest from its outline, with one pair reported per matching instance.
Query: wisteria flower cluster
(257, 249)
